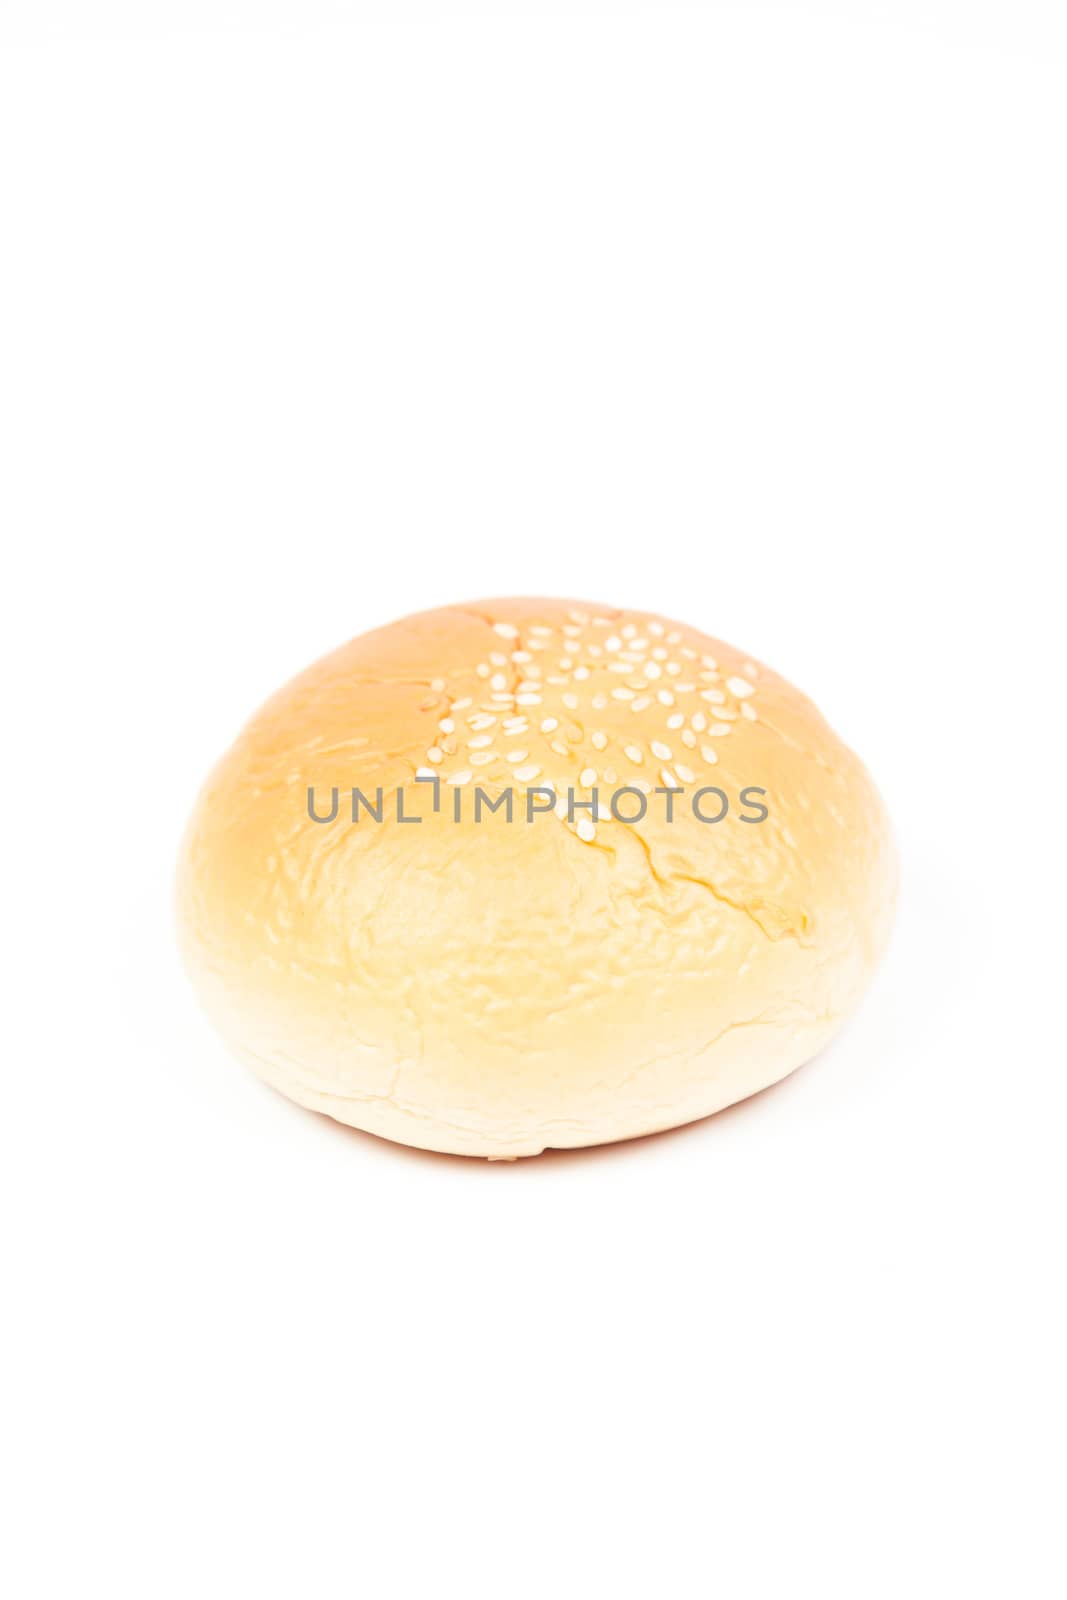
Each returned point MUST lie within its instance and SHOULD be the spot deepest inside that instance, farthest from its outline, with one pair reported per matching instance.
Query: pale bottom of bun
(741, 1062)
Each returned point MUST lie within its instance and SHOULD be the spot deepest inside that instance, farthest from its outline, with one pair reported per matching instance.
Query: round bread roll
(379, 939)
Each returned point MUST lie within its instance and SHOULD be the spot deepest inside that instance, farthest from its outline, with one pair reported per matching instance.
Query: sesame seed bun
(580, 972)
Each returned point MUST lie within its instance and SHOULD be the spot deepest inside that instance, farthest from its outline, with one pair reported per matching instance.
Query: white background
(312, 316)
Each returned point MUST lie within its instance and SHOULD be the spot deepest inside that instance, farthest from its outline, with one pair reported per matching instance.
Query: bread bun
(488, 986)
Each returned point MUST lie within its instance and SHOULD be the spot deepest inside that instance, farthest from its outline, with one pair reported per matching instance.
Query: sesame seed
(613, 644)
(622, 694)
(528, 700)
(710, 754)
(699, 721)
(689, 739)
(540, 629)
(587, 777)
(656, 628)
(686, 774)
(599, 702)
(684, 688)
(580, 674)
(521, 657)
(668, 779)
(483, 741)
(578, 616)
(586, 831)
(483, 758)
(458, 779)
(748, 711)
(740, 687)
(676, 720)
(502, 699)
(550, 725)
(528, 773)
(674, 636)
(461, 705)
(610, 775)
(642, 784)
(710, 661)
(506, 630)
(560, 747)
(673, 668)
(446, 725)
(566, 664)
(635, 753)
(665, 697)
(642, 703)
(434, 754)
(425, 772)
(629, 632)
(714, 697)
(437, 683)
(600, 741)
(570, 701)
(517, 755)
(662, 752)
(659, 654)
(717, 730)
(482, 669)
(652, 671)
(498, 681)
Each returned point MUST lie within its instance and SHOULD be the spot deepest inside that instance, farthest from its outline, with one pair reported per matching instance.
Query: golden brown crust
(493, 987)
